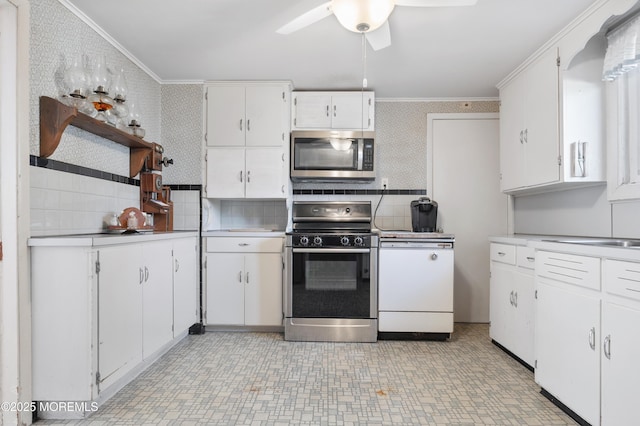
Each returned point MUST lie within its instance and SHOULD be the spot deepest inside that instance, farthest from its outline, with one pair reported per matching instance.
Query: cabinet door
(225, 288)
(312, 111)
(266, 112)
(568, 348)
(263, 289)
(226, 116)
(119, 311)
(157, 296)
(501, 310)
(620, 370)
(225, 173)
(523, 321)
(265, 173)
(512, 126)
(347, 111)
(542, 128)
(185, 284)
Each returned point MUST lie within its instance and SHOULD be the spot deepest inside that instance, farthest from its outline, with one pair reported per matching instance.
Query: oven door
(331, 283)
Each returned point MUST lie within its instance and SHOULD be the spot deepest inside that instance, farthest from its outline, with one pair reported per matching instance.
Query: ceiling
(446, 52)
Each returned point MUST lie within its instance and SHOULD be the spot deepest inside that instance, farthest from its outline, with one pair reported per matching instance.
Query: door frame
(431, 117)
(15, 295)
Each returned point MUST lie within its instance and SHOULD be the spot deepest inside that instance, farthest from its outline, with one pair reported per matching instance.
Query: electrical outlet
(385, 183)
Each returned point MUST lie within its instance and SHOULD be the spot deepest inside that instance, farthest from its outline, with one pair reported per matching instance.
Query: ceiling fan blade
(435, 3)
(380, 38)
(306, 19)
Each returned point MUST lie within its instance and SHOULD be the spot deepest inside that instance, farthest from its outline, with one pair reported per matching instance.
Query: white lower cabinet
(568, 331)
(511, 301)
(103, 312)
(244, 281)
(620, 342)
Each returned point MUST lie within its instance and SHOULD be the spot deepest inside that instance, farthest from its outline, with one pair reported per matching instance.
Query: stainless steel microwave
(332, 155)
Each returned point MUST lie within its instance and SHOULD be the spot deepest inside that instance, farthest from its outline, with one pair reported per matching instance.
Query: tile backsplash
(65, 203)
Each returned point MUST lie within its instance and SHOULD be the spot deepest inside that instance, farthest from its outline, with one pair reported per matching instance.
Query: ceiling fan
(368, 17)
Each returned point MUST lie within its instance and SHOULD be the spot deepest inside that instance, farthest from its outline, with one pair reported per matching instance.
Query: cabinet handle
(511, 298)
(246, 277)
(501, 253)
(335, 111)
(531, 259)
(282, 189)
(526, 135)
(434, 256)
(327, 110)
(241, 176)
(240, 277)
(248, 176)
(177, 265)
(515, 299)
(146, 274)
(592, 338)
(521, 139)
(243, 244)
(241, 124)
(248, 125)
(141, 275)
(607, 347)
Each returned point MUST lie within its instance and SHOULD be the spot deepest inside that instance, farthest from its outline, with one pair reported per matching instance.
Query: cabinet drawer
(503, 253)
(526, 257)
(244, 244)
(622, 278)
(578, 270)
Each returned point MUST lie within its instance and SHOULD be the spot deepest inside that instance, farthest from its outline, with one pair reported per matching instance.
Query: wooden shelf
(56, 116)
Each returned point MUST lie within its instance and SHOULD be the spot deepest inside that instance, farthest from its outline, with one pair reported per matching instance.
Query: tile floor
(259, 379)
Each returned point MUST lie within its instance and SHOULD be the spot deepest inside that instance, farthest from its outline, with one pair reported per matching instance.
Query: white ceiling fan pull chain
(364, 60)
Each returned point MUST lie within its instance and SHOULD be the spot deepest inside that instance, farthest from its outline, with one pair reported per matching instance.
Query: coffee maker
(424, 213)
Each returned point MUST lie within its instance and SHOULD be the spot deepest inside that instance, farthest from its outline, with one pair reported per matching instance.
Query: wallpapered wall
(57, 35)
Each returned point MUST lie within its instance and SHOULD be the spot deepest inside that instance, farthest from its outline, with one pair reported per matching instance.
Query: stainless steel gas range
(331, 273)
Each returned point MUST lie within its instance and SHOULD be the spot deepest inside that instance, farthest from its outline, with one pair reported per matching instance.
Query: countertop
(89, 240)
(550, 243)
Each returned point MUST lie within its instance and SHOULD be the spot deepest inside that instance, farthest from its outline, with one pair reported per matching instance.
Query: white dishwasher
(415, 284)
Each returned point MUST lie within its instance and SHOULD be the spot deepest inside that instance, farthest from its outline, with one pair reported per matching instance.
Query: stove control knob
(317, 241)
(359, 241)
(344, 241)
(304, 240)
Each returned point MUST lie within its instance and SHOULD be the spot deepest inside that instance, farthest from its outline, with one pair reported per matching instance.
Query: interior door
(463, 151)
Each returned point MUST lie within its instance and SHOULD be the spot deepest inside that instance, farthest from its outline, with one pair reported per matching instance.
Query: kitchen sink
(604, 242)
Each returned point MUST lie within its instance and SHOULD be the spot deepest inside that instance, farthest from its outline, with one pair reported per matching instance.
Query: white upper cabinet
(529, 125)
(333, 110)
(247, 114)
(246, 139)
(552, 113)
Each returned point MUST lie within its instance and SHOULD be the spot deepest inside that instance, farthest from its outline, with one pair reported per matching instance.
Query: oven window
(331, 285)
(321, 154)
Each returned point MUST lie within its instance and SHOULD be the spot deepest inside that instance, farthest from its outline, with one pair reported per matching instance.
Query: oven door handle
(330, 250)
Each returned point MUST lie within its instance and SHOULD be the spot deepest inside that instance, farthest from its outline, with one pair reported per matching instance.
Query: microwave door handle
(360, 153)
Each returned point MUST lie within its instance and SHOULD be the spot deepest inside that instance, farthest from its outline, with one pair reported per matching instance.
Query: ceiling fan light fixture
(361, 16)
